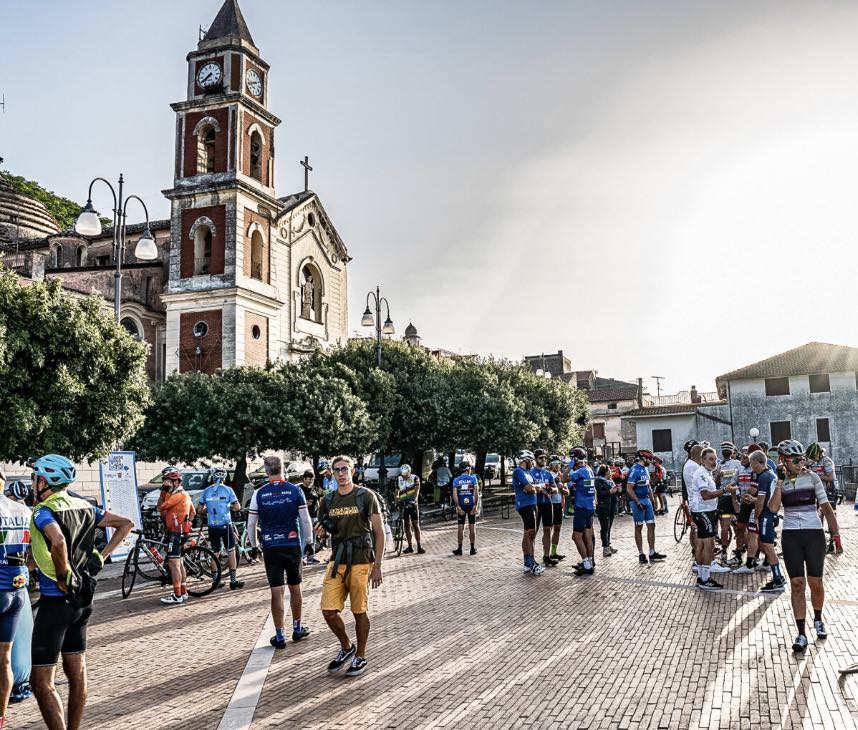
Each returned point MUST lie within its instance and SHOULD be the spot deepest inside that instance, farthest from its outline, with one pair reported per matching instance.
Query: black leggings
(606, 520)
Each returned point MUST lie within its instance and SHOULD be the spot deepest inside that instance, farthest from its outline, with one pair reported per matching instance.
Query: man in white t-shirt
(703, 497)
(693, 449)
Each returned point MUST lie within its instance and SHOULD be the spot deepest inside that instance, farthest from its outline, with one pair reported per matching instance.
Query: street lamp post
(89, 224)
(387, 329)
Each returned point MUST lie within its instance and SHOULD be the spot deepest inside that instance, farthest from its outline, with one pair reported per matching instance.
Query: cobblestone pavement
(474, 642)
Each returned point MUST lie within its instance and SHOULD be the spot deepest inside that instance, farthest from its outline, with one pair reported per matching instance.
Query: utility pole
(658, 379)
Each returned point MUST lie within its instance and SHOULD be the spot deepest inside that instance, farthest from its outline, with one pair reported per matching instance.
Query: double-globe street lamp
(89, 224)
(380, 329)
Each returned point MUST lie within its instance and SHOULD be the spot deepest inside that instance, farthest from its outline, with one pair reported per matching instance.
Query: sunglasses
(340, 469)
(797, 460)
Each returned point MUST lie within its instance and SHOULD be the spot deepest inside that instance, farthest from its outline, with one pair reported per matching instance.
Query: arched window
(256, 155)
(58, 256)
(257, 251)
(202, 249)
(131, 327)
(311, 294)
(80, 256)
(206, 149)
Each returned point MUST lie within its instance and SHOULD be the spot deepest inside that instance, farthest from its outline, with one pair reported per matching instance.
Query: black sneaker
(558, 557)
(356, 667)
(642, 559)
(278, 643)
(458, 551)
(709, 585)
(236, 584)
(774, 586)
(800, 643)
(657, 556)
(819, 628)
(420, 551)
(344, 655)
(548, 562)
(473, 550)
(409, 549)
(302, 634)
(584, 571)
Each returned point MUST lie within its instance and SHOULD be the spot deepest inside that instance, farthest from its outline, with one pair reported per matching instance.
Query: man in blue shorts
(639, 493)
(525, 505)
(583, 485)
(280, 509)
(217, 503)
(768, 504)
(466, 496)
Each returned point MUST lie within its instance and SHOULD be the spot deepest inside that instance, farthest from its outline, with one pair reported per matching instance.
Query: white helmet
(404, 470)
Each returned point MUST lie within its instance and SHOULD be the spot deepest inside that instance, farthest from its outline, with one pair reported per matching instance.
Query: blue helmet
(55, 469)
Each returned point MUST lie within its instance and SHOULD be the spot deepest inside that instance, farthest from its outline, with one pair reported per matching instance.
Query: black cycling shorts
(469, 514)
(705, 524)
(175, 541)
(725, 506)
(58, 628)
(746, 514)
(411, 513)
(803, 548)
(280, 560)
(545, 510)
(528, 516)
(222, 535)
(557, 509)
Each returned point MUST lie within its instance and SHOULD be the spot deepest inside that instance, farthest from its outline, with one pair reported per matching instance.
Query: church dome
(23, 217)
(410, 330)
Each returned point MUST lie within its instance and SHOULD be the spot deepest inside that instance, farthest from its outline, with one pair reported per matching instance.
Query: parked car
(392, 462)
(292, 472)
(493, 466)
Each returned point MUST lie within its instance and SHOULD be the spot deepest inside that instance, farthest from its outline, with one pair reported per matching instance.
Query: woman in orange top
(177, 511)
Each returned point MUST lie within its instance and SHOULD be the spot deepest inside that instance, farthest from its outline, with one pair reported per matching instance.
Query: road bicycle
(681, 522)
(243, 547)
(147, 560)
(397, 527)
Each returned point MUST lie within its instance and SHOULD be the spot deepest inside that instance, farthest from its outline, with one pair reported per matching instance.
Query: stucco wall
(752, 408)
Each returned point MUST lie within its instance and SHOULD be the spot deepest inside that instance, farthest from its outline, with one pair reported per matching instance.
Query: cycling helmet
(170, 472)
(539, 452)
(705, 444)
(644, 454)
(690, 444)
(790, 447)
(2, 477)
(728, 446)
(525, 455)
(657, 460)
(754, 447)
(55, 469)
(325, 465)
(764, 445)
(404, 470)
(814, 451)
(578, 453)
(18, 489)
(217, 474)
(465, 464)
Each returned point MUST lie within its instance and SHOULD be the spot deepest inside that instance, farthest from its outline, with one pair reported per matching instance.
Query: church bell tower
(221, 303)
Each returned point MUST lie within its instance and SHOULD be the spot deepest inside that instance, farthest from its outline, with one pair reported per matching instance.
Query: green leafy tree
(72, 381)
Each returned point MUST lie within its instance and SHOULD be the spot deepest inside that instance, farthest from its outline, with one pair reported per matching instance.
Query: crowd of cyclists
(734, 500)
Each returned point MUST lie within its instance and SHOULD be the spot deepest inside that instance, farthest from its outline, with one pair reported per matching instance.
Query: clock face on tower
(210, 76)
(254, 83)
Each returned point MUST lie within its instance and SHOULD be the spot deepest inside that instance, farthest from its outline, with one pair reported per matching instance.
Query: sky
(660, 188)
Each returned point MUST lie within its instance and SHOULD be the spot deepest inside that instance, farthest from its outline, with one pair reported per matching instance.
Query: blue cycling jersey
(466, 489)
(217, 498)
(541, 478)
(520, 479)
(639, 479)
(556, 497)
(583, 481)
(277, 504)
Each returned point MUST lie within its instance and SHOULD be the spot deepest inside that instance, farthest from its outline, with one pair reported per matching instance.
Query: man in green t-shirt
(352, 517)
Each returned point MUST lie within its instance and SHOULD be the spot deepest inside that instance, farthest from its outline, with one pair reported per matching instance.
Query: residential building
(809, 393)
(556, 365)
(609, 400)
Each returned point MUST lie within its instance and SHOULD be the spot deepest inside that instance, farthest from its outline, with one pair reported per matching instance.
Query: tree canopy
(72, 381)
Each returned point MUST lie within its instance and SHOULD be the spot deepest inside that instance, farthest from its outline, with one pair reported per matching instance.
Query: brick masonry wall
(191, 120)
(249, 121)
(217, 214)
(212, 342)
(255, 350)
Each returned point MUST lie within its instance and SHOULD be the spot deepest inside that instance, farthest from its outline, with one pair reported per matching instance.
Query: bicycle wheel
(147, 568)
(129, 574)
(398, 537)
(447, 511)
(203, 570)
(680, 524)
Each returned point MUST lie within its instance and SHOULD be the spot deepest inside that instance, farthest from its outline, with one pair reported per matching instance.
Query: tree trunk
(239, 479)
(503, 471)
(480, 466)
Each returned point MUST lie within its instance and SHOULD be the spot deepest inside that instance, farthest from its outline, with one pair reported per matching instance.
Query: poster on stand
(118, 474)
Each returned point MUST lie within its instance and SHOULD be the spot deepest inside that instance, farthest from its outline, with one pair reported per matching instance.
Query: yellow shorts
(335, 589)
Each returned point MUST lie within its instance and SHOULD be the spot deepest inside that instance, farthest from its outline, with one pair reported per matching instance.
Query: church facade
(243, 276)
